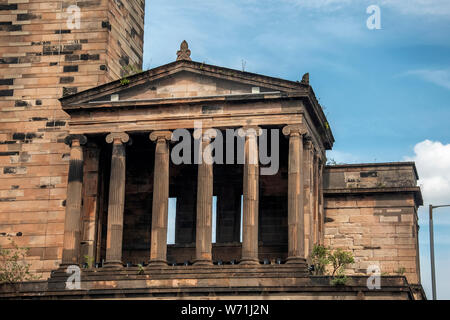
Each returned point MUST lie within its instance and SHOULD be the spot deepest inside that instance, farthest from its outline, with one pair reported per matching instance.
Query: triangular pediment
(182, 79)
(183, 84)
(187, 83)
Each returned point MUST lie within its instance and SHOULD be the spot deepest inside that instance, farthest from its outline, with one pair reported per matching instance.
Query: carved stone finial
(184, 53)
(305, 79)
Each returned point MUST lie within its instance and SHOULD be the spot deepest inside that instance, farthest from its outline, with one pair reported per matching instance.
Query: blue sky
(386, 92)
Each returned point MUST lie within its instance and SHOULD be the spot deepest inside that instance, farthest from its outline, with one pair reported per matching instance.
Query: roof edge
(377, 164)
(288, 84)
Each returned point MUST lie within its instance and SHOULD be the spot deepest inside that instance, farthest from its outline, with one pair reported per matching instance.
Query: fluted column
(203, 240)
(321, 202)
(308, 198)
(158, 246)
(316, 198)
(116, 202)
(72, 222)
(250, 195)
(296, 251)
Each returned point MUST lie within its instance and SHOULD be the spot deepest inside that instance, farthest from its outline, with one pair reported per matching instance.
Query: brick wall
(42, 59)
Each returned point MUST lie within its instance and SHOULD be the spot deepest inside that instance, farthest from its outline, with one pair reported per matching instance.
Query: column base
(202, 263)
(249, 261)
(113, 264)
(295, 260)
(157, 264)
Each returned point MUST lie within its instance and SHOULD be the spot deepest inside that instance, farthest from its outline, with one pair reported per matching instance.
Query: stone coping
(193, 281)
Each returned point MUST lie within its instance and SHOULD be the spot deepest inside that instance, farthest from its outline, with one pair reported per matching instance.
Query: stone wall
(263, 282)
(371, 209)
(41, 60)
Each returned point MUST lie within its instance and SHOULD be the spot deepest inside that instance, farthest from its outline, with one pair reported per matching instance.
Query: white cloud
(433, 165)
(438, 77)
(432, 160)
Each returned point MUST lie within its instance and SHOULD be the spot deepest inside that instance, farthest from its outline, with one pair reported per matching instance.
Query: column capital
(75, 137)
(122, 136)
(294, 130)
(206, 134)
(308, 142)
(250, 131)
(158, 135)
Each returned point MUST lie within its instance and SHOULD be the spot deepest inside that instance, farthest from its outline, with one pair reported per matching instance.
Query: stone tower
(50, 49)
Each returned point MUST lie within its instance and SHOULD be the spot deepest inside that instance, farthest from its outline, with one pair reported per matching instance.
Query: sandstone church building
(86, 172)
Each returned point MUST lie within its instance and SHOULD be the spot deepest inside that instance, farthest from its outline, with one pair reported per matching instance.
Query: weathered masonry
(42, 58)
(86, 170)
(372, 209)
(121, 174)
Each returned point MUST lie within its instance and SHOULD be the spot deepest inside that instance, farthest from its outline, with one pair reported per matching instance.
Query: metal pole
(433, 276)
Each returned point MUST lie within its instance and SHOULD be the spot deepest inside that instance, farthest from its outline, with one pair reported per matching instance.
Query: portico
(278, 215)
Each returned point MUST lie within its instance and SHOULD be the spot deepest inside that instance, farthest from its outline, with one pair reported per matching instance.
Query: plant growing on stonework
(140, 269)
(380, 185)
(13, 267)
(319, 259)
(124, 81)
(339, 260)
(339, 280)
(89, 261)
(129, 70)
(401, 271)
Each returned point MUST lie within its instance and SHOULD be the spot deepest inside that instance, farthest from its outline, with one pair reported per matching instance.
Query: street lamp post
(433, 275)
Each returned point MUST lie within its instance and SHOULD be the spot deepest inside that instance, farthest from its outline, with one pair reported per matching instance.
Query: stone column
(160, 205)
(203, 238)
(72, 222)
(308, 198)
(321, 216)
(116, 202)
(90, 201)
(251, 195)
(316, 198)
(296, 251)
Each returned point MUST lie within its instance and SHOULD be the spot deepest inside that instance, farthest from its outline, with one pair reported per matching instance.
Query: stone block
(388, 219)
